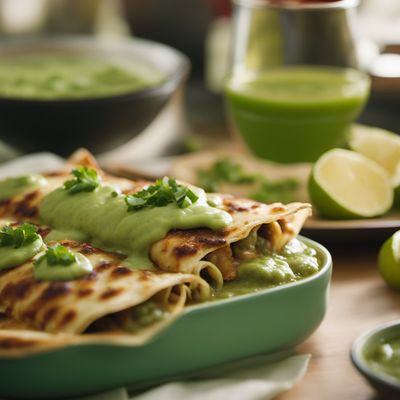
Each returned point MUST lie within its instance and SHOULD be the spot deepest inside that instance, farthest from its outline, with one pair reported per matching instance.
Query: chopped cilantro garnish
(228, 171)
(19, 236)
(224, 170)
(85, 180)
(164, 191)
(282, 191)
(58, 255)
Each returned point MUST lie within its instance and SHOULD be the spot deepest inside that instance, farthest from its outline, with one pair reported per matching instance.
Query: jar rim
(296, 5)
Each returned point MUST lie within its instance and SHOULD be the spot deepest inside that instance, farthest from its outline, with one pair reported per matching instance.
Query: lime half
(344, 184)
(389, 260)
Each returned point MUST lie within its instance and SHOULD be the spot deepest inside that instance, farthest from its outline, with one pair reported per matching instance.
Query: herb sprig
(58, 255)
(262, 189)
(224, 170)
(19, 236)
(85, 180)
(165, 191)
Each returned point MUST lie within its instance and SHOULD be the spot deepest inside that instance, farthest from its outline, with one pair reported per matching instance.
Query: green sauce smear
(102, 216)
(294, 262)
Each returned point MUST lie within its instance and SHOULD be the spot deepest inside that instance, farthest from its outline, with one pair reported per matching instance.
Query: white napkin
(261, 382)
(38, 162)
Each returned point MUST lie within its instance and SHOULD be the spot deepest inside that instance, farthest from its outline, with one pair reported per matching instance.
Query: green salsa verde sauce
(81, 266)
(101, 217)
(18, 244)
(294, 262)
(11, 257)
(49, 76)
(17, 185)
(384, 357)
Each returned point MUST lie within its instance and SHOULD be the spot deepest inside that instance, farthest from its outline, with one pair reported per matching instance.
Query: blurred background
(200, 29)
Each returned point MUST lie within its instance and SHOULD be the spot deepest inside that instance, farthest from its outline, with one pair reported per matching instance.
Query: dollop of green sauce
(384, 357)
(17, 185)
(18, 245)
(11, 257)
(102, 216)
(294, 262)
(59, 270)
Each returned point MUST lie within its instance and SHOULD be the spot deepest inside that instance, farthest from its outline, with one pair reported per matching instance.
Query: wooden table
(358, 300)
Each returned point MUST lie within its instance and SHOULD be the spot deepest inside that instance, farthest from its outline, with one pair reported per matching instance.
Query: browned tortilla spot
(110, 293)
(49, 314)
(232, 207)
(25, 208)
(121, 272)
(211, 241)
(55, 174)
(14, 343)
(89, 277)
(29, 314)
(184, 250)
(278, 208)
(20, 290)
(56, 289)
(87, 249)
(68, 317)
(104, 265)
(43, 232)
(84, 292)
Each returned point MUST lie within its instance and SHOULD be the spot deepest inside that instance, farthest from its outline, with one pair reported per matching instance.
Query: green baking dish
(204, 335)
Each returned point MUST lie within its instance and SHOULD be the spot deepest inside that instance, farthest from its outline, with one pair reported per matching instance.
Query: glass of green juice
(294, 87)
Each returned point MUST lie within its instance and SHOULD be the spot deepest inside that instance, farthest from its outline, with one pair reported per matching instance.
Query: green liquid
(294, 114)
(69, 76)
(384, 357)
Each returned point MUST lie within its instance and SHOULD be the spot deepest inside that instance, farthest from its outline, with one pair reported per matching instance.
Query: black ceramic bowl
(98, 123)
(387, 387)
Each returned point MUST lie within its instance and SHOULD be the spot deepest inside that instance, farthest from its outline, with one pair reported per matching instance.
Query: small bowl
(205, 335)
(385, 385)
(97, 123)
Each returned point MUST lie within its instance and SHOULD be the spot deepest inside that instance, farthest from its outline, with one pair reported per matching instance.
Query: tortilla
(99, 303)
(195, 251)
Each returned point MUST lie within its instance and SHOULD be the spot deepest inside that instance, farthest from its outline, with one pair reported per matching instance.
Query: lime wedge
(389, 260)
(379, 145)
(344, 184)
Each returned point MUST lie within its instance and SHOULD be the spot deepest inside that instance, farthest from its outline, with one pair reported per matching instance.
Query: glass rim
(295, 5)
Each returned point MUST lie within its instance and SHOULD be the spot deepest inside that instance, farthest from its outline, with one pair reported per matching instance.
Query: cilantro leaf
(85, 180)
(224, 170)
(18, 237)
(164, 191)
(228, 171)
(58, 255)
(282, 191)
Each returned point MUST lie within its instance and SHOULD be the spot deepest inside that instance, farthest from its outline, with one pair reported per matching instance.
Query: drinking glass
(294, 86)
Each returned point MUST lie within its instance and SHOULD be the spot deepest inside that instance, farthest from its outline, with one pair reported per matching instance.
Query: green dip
(17, 185)
(18, 245)
(384, 357)
(102, 218)
(293, 114)
(49, 76)
(64, 266)
(294, 262)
